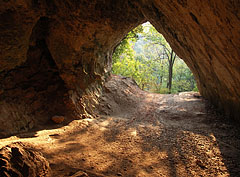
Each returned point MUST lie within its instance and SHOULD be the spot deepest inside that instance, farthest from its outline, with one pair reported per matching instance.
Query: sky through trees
(145, 56)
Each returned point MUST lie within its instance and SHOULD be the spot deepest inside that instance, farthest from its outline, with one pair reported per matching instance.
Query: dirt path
(141, 134)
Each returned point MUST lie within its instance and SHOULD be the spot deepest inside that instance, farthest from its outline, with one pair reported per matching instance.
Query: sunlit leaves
(144, 55)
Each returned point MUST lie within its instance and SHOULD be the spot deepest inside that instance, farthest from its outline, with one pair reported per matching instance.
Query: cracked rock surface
(18, 159)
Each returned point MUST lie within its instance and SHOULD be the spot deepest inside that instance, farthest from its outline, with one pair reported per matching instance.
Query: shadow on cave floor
(142, 134)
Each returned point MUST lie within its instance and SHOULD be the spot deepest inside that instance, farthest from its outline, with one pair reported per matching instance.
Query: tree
(171, 56)
(145, 56)
(125, 46)
(183, 78)
(124, 62)
(156, 38)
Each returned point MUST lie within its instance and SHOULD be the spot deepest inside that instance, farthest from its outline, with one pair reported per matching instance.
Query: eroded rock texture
(206, 35)
(19, 160)
(55, 54)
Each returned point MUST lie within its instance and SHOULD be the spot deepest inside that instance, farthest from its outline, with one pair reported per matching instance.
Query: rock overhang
(80, 37)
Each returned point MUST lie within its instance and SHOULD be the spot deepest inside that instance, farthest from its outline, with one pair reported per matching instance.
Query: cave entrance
(145, 56)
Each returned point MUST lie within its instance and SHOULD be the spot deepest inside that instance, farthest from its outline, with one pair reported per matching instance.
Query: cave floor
(141, 134)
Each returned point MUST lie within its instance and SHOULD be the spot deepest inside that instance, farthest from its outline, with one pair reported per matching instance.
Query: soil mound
(140, 134)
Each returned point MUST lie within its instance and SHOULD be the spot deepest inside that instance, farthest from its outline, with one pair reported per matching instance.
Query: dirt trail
(141, 134)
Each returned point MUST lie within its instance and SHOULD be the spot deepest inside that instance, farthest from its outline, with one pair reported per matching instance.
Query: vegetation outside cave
(145, 56)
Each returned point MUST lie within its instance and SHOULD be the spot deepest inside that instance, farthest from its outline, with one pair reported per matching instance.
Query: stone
(51, 47)
(14, 118)
(204, 35)
(21, 160)
(58, 119)
(80, 174)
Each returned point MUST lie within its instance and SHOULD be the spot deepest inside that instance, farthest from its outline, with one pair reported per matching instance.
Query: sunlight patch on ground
(202, 152)
(104, 123)
(153, 140)
(134, 133)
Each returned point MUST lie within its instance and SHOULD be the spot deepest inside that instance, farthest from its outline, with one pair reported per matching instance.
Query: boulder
(21, 160)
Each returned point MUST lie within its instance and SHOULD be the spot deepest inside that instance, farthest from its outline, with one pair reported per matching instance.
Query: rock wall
(54, 57)
(206, 35)
(55, 54)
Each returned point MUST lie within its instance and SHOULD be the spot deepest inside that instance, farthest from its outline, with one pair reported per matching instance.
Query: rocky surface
(18, 159)
(205, 35)
(55, 54)
(141, 134)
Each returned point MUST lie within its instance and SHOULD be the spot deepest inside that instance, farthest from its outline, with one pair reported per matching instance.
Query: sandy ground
(140, 134)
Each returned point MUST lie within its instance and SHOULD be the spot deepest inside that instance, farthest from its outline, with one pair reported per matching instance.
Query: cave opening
(62, 49)
(145, 56)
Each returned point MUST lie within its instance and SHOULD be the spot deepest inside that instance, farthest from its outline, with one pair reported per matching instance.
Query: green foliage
(163, 91)
(125, 46)
(144, 55)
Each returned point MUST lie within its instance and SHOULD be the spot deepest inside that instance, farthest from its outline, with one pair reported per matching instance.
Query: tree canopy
(145, 56)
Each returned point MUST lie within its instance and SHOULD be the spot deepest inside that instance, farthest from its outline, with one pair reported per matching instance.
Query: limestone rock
(58, 119)
(50, 47)
(14, 118)
(18, 159)
(204, 35)
(86, 174)
(80, 174)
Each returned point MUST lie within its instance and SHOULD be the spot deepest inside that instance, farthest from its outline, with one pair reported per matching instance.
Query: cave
(78, 39)
(56, 55)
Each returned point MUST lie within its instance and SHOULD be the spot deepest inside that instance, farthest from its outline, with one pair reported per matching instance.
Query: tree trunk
(171, 60)
(161, 75)
(170, 71)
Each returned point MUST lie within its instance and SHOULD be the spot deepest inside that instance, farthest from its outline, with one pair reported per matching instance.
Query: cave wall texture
(55, 55)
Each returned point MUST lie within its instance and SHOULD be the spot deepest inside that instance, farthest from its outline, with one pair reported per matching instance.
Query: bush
(163, 91)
